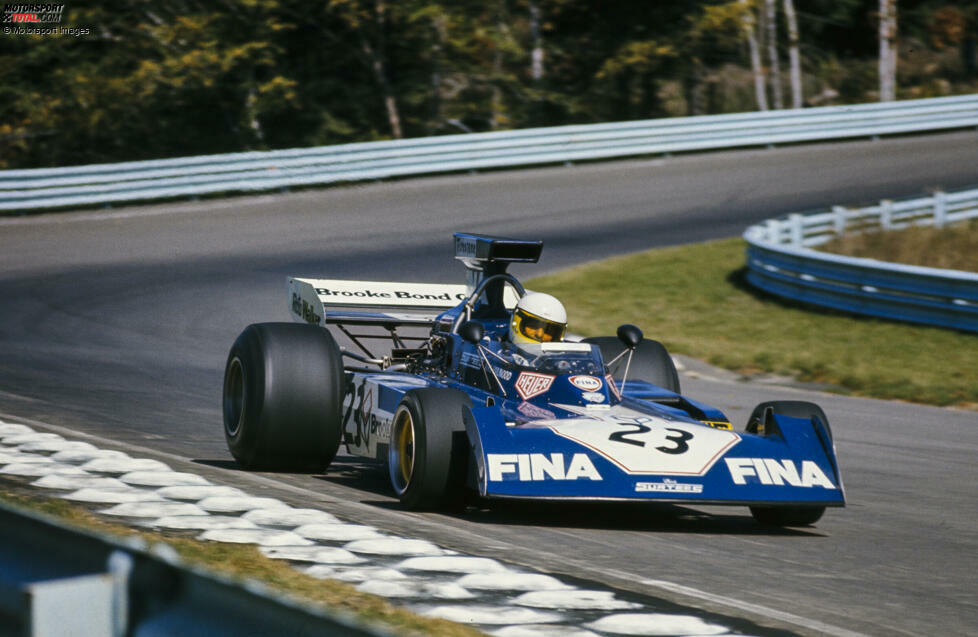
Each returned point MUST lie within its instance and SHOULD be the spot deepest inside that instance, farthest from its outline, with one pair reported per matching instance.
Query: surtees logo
(586, 383)
(777, 472)
(668, 486)
(527, 467)
(531, 384)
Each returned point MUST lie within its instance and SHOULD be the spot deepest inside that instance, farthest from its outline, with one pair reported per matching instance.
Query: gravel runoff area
(498, 599)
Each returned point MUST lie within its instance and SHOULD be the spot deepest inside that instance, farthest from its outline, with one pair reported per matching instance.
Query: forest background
(146, 80)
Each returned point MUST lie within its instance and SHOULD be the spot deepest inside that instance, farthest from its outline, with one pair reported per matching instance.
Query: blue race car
(456, 403)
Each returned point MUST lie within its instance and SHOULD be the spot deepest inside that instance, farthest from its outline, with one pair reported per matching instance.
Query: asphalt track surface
(116, 323)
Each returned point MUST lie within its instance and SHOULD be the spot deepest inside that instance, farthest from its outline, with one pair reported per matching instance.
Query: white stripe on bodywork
(643, 444)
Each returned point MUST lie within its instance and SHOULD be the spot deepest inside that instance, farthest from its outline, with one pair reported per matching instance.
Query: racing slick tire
(650, 361)
(787, 515)
(428, 453)
(283, 397)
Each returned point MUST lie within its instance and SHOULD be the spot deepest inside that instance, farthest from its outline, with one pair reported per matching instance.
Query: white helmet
(538, 318)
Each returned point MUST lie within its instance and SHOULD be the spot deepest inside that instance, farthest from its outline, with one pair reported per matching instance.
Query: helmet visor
(538, 329)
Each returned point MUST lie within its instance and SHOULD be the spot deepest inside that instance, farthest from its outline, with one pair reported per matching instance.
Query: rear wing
(386, 304)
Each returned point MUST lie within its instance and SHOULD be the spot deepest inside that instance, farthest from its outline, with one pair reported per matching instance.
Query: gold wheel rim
(401, 455)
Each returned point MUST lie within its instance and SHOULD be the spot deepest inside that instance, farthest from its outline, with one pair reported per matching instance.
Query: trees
(794, 55)
(185, 77)
(750, 33)
(888, 51)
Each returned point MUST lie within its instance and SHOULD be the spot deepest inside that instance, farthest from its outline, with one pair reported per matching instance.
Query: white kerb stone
(153, 509)
(491, 615)
(240, 504)
(655, 624)
(119, 465)
(574, 599)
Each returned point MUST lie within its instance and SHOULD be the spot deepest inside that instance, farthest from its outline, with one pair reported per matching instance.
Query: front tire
(283, 397)
(650, 361)
(786, 515)
(428, 453)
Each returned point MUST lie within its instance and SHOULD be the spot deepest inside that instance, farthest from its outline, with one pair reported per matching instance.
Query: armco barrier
(35, 189)
(59, 581)
(780, 261)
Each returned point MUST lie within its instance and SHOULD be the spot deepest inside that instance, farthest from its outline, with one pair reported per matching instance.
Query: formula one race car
(458, 409)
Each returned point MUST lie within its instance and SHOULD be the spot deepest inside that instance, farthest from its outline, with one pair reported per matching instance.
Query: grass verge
(695, 301)
(243, 561)
(952, 248)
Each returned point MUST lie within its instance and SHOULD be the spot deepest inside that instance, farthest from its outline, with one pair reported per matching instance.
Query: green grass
(244, 561)
(694, 300)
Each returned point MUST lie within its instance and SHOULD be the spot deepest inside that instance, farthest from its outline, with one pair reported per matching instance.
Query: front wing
(621, 454)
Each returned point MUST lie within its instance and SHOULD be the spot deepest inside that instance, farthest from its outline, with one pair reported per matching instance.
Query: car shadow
(371, 478)
(627, 516)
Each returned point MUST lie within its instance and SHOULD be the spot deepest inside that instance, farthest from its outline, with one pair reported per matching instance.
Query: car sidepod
(368, 409)
(622, 454)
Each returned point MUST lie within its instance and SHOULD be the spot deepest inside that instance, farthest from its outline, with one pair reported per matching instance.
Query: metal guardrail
(58, 581)
(105, 184)
(780, 261)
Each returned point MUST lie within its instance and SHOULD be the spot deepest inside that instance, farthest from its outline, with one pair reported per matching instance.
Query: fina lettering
(533, 467)
(586, 383)
(769, 471)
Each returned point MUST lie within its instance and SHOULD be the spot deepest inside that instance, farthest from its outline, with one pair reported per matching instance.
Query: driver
(538, 318)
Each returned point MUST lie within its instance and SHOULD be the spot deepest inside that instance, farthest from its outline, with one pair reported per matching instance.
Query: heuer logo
(586, 383)
(531, 384)
(527, 467)
(777, 472)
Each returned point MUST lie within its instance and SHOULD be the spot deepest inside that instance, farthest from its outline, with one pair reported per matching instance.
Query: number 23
(679, 438)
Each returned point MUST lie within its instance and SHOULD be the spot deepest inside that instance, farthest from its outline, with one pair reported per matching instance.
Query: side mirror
(630, 335)
(472, 331)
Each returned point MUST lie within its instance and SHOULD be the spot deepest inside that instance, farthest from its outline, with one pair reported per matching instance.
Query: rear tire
(787, 515)
(428, 453)
(650, 361)
(283, 397)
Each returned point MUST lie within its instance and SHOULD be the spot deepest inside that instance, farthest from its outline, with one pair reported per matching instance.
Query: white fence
(780, 261)
(106, 184)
